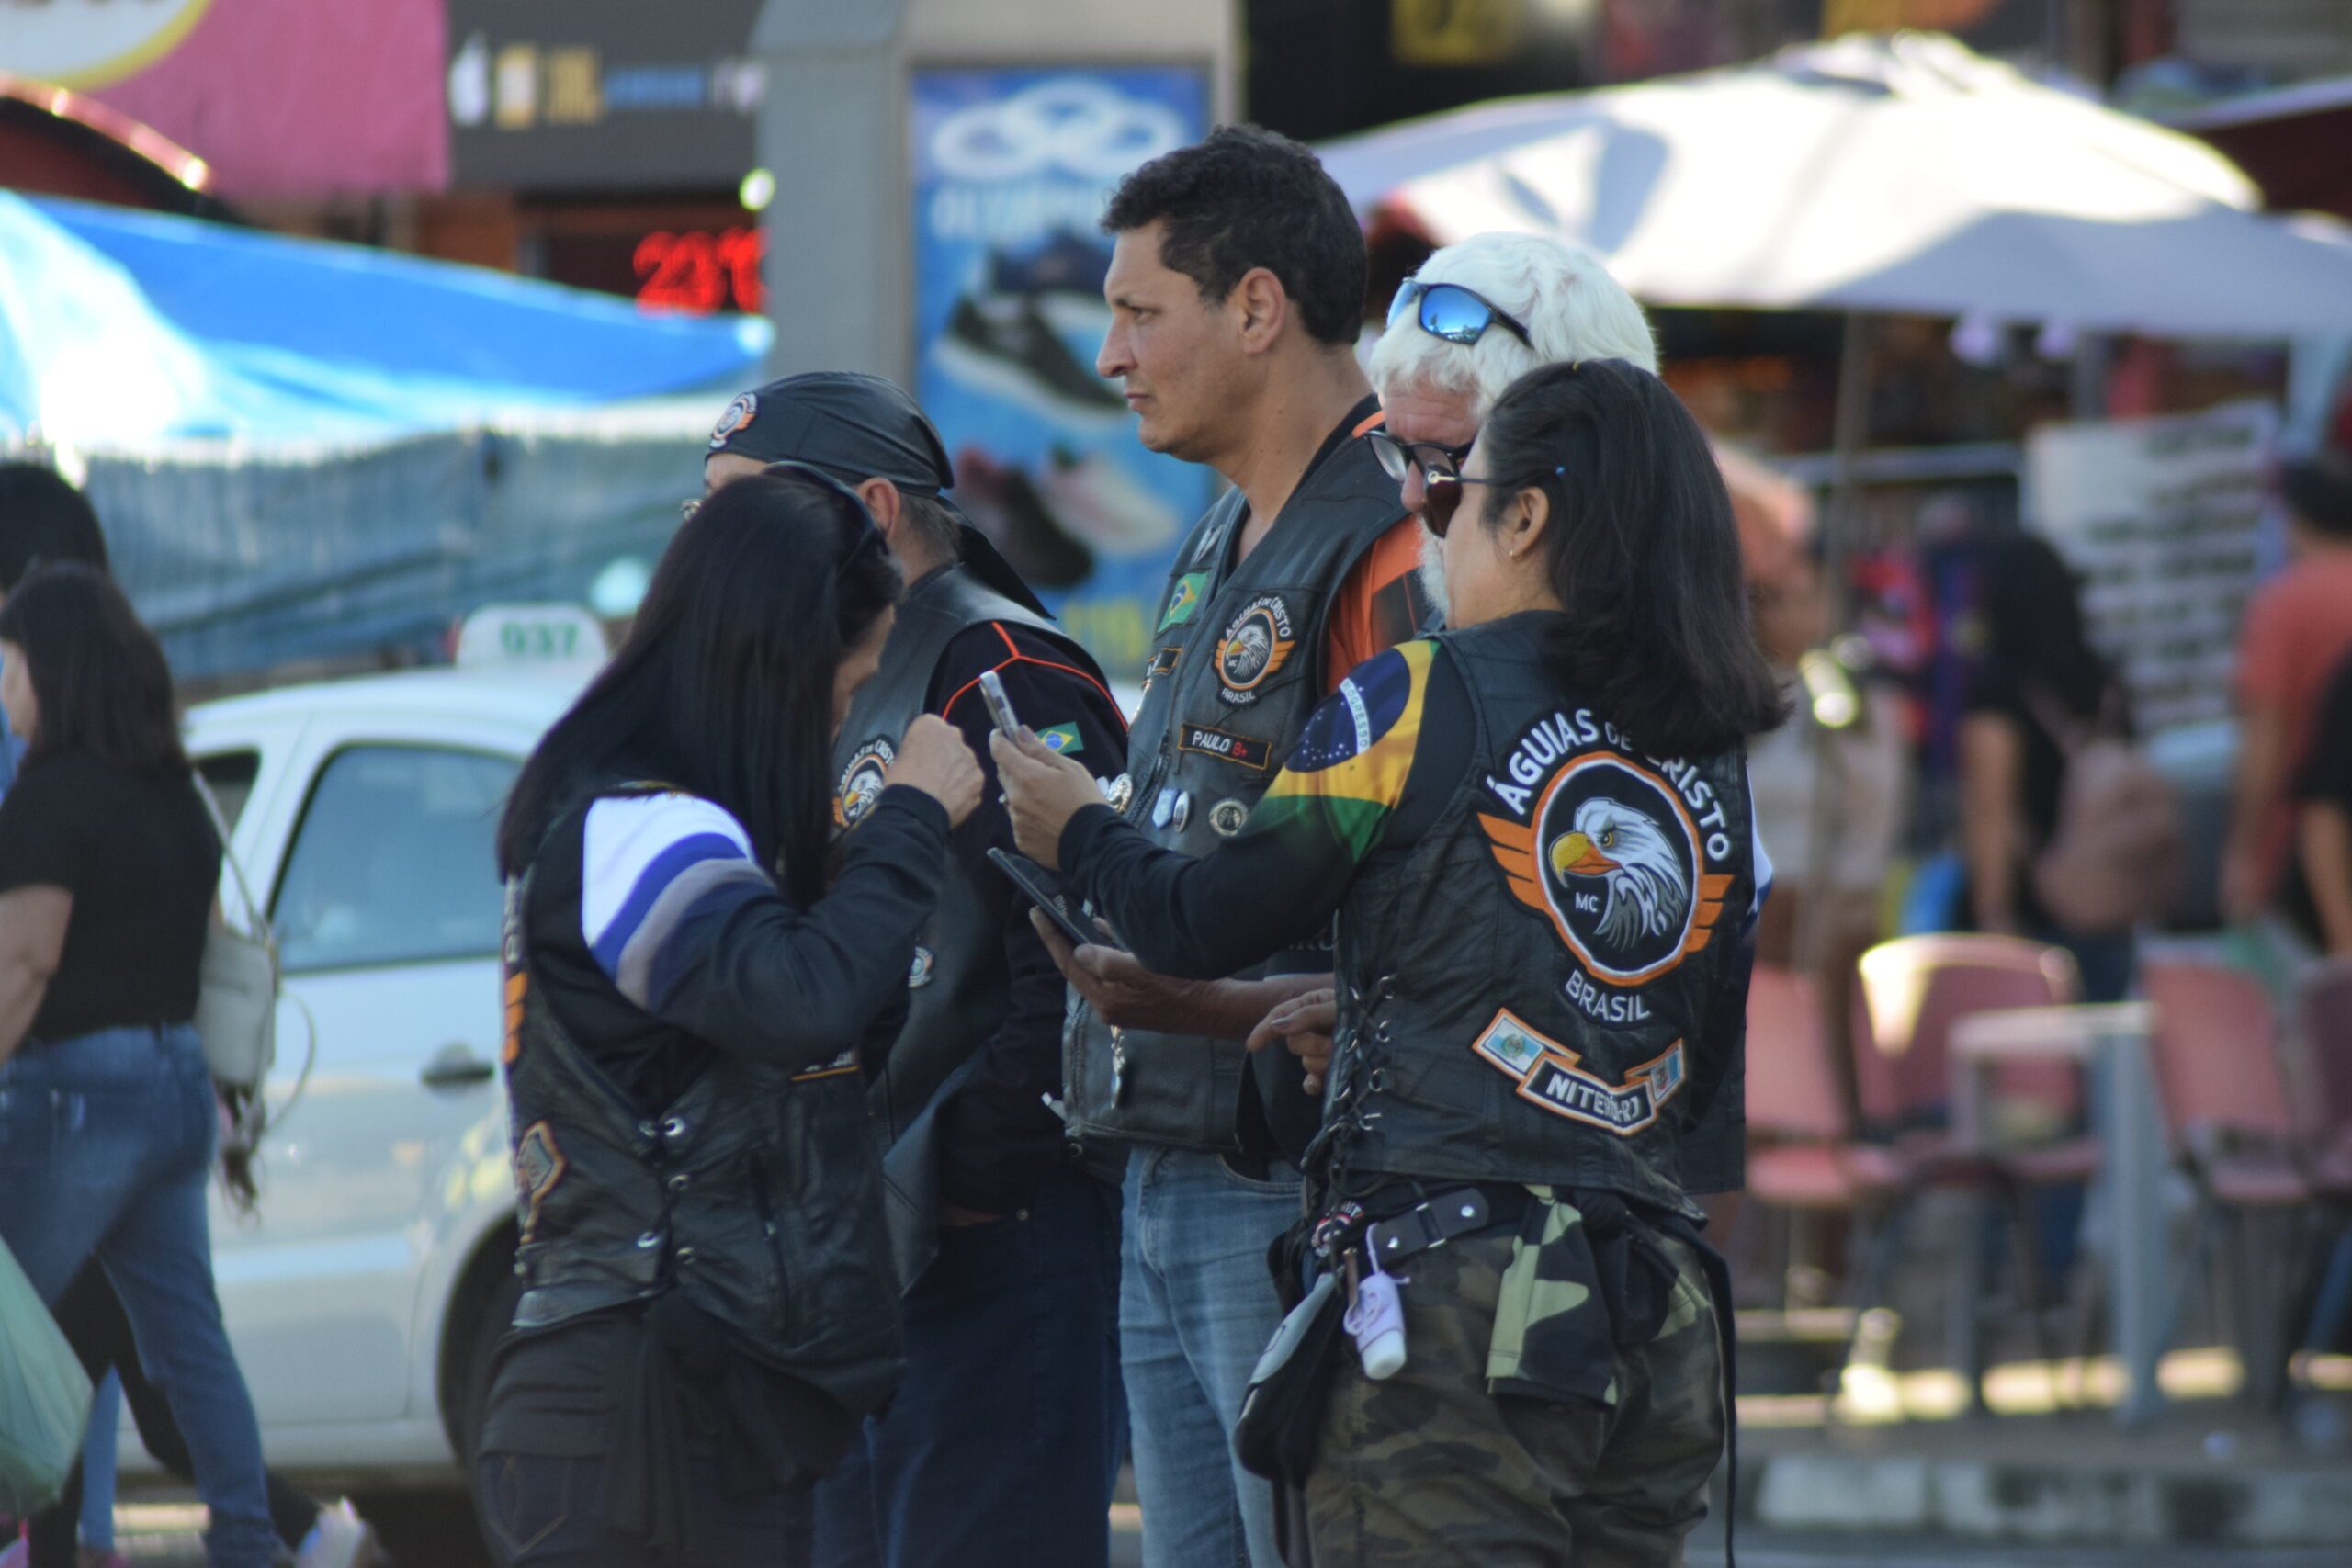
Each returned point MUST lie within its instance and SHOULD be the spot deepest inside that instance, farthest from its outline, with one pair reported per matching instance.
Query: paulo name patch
(1258, 754)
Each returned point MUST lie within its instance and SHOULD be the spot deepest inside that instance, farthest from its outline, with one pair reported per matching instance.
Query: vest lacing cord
(1359, 1069)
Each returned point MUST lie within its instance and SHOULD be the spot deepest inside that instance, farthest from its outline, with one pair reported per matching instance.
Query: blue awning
(120, 328)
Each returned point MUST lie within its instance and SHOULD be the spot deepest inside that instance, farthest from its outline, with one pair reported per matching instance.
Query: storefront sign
(299, 98)
(1011, 171)
(2164, 518)
(600, 93)
(85, 44)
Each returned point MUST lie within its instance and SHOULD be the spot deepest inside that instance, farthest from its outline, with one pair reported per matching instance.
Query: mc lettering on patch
(1552, 1077)
(1256, 643)
(1241, 749)
(1619, 855)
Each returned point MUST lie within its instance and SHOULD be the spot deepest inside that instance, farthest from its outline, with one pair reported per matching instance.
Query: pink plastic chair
(1803, 1157)
(2231, 1117)
(1912, 991)
(1908, 993)
(2323, 1019)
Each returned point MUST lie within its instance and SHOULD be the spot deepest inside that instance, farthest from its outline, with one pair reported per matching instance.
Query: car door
(386, 907)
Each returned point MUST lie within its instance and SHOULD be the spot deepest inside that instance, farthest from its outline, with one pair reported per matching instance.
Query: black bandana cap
(857, 427)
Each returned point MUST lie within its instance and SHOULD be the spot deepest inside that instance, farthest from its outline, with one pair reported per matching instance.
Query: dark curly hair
(1246, 199)
(1642, 552)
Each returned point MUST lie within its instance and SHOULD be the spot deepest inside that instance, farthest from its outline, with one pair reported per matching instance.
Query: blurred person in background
(108, 869)
(45, 520)
(710, 1307)
(2324, 823)
(2038, 684)
(1006, 1433)
(1832, 786)
(2298, 628)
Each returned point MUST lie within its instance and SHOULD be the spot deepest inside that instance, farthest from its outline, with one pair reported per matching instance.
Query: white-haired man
(1476, 317)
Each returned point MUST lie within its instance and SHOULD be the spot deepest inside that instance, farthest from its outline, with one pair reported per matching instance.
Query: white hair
(1571, 307)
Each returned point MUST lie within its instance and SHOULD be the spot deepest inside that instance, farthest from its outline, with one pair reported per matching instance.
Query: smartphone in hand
(1000, 706)
(1042, 888)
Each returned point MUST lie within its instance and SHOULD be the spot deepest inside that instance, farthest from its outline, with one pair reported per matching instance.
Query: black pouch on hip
(1283, 1411)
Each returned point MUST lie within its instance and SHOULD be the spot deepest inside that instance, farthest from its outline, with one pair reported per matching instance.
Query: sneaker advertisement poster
(1011, 168)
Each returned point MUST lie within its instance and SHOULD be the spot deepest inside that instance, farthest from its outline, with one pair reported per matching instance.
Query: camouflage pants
(1428, 1468)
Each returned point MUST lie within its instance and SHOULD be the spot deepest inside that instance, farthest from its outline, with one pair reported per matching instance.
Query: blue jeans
(1196, 1309)
(105, 1144)
(1004, 1440)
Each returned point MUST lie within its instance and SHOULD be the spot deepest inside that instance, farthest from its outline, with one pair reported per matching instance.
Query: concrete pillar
(832, 131)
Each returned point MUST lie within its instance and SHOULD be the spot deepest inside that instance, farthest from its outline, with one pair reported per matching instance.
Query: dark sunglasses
(1430, 458)
(1444, 496)
(871, 534)
(1455, 314)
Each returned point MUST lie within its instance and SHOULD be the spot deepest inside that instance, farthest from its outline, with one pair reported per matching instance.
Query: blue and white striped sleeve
(653, 869)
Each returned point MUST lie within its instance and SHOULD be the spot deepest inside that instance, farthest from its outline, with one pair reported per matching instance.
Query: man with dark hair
(1236, 283)
(1004, 1439)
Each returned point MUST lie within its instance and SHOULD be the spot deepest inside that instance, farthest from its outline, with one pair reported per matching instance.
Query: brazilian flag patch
(1184, 599)
(1062, 737)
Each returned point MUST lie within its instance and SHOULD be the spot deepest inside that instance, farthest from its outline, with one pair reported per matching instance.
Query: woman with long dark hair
(708, 1308)
(2039, 689)
(1535, 834)
(108, 870)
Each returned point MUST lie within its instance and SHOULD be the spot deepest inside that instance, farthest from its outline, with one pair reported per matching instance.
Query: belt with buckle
(1440, 1218)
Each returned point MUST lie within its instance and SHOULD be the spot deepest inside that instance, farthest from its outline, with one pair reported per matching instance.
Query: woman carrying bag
(108, 870)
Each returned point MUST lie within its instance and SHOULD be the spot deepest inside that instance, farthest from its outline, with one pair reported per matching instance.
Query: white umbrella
(1897, 174)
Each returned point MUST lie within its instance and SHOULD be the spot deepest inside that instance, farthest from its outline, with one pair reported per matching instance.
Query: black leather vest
(1523, 997)
(757, 1192)
(1238, 665)
(959, 986)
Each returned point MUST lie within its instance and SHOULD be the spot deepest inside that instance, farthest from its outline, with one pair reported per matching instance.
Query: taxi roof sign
(511, 635)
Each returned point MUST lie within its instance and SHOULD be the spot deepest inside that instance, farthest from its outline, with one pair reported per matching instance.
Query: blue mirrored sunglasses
(1455, 314)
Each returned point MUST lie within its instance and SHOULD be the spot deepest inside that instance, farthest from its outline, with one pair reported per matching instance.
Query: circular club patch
(1253, 648)
(1619, 859)
(739, 416)
(861, 783)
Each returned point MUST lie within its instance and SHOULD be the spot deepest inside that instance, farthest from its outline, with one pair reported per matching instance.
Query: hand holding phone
(1042, 888)
(1000, 706)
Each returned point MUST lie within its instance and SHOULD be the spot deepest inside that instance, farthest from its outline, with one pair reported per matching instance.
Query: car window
(230, 776)
(393, 863)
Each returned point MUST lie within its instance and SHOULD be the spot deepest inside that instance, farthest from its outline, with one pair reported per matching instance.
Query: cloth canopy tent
(119, 329)
(1883, 175)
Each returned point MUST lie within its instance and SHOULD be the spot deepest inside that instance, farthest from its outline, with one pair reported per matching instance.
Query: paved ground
(173, 1546)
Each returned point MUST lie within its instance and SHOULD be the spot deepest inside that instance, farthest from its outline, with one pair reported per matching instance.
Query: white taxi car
(364, 1293)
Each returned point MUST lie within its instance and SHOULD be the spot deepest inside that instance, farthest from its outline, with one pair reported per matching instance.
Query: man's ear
(881, 498)
(1263, 308)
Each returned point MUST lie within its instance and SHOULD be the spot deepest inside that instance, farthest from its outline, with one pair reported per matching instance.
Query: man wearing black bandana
(1006, 1435)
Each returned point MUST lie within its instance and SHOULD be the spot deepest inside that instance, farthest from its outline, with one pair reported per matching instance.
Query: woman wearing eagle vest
(1535, 834)
(708, 1308)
